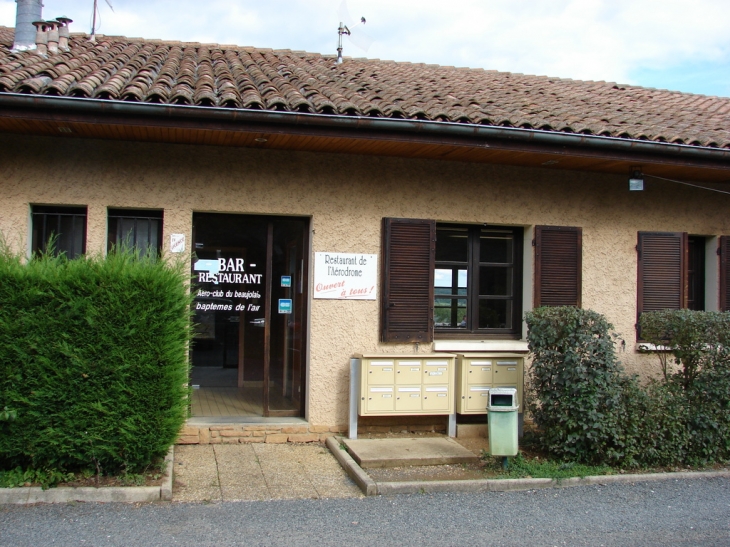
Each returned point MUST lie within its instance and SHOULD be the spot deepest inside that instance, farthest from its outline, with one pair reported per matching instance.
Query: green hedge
(93, 361)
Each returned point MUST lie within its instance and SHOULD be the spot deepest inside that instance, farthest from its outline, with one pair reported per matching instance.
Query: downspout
(399, 128)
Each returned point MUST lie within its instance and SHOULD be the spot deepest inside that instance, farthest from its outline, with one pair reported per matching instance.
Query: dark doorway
(250, 282)
(696, 273)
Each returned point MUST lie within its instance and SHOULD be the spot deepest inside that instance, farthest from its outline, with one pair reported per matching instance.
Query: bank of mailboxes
(435, 383)
(477, 373)
(406, 384)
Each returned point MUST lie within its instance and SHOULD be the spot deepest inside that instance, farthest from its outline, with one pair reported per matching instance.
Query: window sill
(513, 346)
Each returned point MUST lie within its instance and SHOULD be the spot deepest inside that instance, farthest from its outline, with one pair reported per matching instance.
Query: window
(465, 281)
(61, 230)
(671, 271)
(137, 229)
(478, 280)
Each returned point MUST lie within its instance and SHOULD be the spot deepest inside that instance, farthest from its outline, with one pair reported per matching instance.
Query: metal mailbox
(406, 384)
(477, 373)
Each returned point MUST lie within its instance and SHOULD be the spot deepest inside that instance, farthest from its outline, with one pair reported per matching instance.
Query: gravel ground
(677, 512)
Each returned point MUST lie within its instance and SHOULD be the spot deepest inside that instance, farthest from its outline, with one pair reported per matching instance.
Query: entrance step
(371, 453)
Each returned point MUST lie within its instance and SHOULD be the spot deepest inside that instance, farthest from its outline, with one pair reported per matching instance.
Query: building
(368, 207)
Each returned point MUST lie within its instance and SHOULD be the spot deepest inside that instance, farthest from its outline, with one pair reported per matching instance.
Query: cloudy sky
(670, 44)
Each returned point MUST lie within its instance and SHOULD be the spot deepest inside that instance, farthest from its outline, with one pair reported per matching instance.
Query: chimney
(27, 12)
(41, 37)
(52, 36)
(63, 32)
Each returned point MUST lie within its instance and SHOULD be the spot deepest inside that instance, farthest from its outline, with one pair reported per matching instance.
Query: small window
(59, 230)
(477, 280)
(135, 229)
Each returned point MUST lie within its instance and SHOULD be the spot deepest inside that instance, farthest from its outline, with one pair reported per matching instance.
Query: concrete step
(370, 453)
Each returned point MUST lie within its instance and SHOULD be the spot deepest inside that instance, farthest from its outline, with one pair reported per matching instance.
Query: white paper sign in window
(345, 276)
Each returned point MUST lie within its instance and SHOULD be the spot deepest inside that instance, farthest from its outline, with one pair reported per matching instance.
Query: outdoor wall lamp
(636, 180)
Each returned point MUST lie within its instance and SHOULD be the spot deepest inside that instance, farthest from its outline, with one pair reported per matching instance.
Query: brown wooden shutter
(558, 266)
(724, 273)
(662, 282)
(409, 249)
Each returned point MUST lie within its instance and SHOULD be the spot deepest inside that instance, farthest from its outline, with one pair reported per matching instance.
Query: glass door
(249, 310)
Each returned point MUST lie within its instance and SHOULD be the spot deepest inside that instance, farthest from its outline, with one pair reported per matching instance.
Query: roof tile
(118, 68)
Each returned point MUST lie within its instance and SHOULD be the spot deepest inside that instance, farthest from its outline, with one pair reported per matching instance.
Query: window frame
(43, 213)
(136, 215)
(473, 296)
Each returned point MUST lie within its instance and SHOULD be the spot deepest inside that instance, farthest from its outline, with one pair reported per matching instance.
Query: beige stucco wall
(346, 197)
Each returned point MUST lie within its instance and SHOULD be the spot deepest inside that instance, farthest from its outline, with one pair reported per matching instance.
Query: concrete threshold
(105, 494)
(370, 487)
(371, 453)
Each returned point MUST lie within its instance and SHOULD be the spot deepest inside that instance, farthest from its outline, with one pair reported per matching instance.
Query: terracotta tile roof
(154, 71)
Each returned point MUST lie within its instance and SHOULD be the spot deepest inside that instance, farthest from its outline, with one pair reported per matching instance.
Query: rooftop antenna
(92, 38)
(361, 40)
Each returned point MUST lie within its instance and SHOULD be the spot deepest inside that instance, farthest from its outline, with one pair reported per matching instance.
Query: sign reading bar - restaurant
(345, 276)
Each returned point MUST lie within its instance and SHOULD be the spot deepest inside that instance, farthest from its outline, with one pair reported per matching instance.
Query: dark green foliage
(93, 361)
(589, 411)
(694, 350)
(15, 478)
(581, 393)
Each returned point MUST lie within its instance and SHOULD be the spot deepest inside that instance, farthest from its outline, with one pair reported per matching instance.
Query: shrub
(93, 360)
(694, 350)
(582, 397)
(697, 341)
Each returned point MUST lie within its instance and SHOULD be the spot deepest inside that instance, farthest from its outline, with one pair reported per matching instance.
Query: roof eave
(426, 131)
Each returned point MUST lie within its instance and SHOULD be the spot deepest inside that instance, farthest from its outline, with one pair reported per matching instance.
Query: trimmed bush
(93, 360)
(583, 399)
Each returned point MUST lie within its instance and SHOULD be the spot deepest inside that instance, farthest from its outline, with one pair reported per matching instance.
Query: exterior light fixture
(636, 180)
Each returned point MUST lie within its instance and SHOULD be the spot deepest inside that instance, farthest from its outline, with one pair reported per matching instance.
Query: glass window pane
(126, 232)
(450, 281)
(495, 314)
(65, 225)
(65, 241)
(495, 281)
(452, 244)
(143, 235)
(495, 246)
(154, 239)
(79, 234)
(450, 313)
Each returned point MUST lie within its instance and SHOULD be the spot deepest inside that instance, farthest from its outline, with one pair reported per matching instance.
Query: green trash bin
(502, 420)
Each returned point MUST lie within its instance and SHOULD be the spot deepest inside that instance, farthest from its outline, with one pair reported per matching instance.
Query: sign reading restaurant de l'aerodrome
(345, 276)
